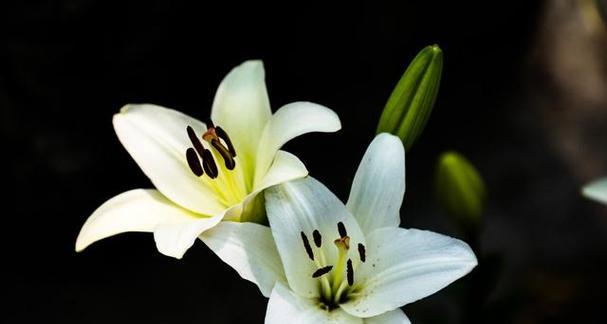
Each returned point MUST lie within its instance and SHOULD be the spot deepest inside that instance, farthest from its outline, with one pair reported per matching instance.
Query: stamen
(361, 252)
(317, 238)
(342, 229)
(307, 246)
(321, 271)
(225, 154)
(194, 162)
(350, 273)
(224, 136)
(210, 123)
(209, 164)
(195, 141)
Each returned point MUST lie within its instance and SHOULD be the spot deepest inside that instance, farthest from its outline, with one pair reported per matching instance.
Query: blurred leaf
(410, 104)
(460, 188)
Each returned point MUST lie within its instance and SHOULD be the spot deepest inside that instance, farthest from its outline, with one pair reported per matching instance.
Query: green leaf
(410, 104)
(460, 188)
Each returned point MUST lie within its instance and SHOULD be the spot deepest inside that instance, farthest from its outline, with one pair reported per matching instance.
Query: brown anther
(361, 252)
(317, 238)
(224, 136)
(194, 162)
(209, 165)
(350, 272)
(341, 228)
(225, 154)
(195, 141)
(321, 271)
(307, 246)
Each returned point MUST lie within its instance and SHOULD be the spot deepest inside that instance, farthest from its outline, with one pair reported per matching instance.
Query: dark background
(522, 97)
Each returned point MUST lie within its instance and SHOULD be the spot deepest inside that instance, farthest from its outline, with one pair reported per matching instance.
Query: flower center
(336, 280)
(203, 159)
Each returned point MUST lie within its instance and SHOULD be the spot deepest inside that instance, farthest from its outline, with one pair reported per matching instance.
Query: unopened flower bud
(410, 104)
(460, 188)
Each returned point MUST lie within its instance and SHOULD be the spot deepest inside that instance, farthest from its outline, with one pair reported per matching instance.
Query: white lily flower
(596, 190)
(201, 174)
(342, 264)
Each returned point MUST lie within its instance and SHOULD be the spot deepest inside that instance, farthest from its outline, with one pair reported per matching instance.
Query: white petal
(157, 140)
(408, 265)
(286, 307)
(137, 210)
(174, 239)
(289, 122)
(305, 205)
(248, 248)
(396, 316)
(241, 107)
(596, 190)
(285, 167)
(379, 185)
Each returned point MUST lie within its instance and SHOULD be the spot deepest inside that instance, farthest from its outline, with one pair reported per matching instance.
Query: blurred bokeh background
(523, 96)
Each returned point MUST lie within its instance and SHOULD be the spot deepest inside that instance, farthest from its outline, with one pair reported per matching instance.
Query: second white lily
(342, 264)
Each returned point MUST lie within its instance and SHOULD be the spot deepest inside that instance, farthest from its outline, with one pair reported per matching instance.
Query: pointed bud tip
(435, 48)
(410, 105)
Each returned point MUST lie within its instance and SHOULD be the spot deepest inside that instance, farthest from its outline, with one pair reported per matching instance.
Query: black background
(68, 66)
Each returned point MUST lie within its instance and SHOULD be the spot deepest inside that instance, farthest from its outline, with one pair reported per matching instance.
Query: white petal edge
(285, 306)
(138, 210)
(305, 205)
(156, 138)
(396, 316)
(250, 250)
(379, 184)
(410, 264)
(174, 239)
(286, 167)
(596, 190)
(288, 122)
(242, 108)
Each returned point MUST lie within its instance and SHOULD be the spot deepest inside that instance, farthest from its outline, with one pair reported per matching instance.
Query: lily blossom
(336, 263)
(205, 173)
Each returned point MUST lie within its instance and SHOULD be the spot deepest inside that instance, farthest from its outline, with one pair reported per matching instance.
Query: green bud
(460, 188)
(410, 104)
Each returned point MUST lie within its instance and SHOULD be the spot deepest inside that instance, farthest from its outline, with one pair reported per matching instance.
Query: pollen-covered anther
(208, 163)
(341, 228)
(194, 162)
(361, 252)
(322, 271)
(224, 136)
(307, 246)
(350, 273)
(317, 238)
(198, 159)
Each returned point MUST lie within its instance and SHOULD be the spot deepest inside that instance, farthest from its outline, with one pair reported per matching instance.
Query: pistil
(336, 279)
(343, 245)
